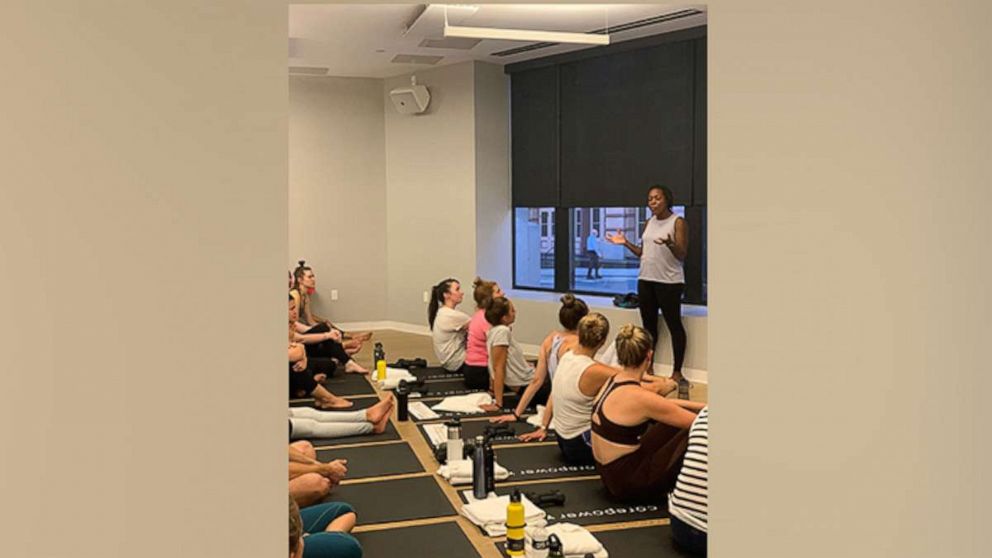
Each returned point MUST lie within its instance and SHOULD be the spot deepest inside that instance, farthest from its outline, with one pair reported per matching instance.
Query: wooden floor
(408, 345)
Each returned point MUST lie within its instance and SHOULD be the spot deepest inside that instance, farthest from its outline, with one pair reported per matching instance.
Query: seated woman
(319, 335)
(310, 481)
(507, 366)
(476, 367)
(304, 375)
(636, 459)
(448, 326)
(688, 503)
(556, 344)
(306, 422)
(322, 531)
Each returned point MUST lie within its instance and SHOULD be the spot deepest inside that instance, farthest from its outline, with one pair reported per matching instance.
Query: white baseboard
(395, 326)
(692, 374)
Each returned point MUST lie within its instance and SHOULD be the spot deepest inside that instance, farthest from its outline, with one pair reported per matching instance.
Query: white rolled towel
(490, 513)
(577, 541)
(393, 377)
(467, 404)
(460, 472)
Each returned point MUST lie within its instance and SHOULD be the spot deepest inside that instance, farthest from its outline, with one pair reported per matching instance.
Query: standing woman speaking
(660, 283)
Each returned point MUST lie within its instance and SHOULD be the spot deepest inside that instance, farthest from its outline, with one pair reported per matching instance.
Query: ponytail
(437, 299)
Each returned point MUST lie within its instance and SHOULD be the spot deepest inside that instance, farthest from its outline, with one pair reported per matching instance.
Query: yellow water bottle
(380, 369)
(515, 525)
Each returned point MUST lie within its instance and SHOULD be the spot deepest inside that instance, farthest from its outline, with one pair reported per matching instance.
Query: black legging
(328, 348)
(666, 297)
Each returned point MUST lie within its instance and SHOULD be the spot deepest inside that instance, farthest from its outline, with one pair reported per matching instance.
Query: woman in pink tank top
(476, 355)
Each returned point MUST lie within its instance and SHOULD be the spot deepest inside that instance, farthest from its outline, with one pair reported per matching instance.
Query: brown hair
(437, 298)
(498, 307)
(633, 345)
(482, 292)
(593, 330)
(572, 310)
(295, 526)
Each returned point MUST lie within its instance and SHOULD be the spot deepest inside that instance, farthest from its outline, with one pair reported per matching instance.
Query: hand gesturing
(618, 238)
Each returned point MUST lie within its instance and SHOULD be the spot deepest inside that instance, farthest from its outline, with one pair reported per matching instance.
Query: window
(592, 264)
(534, 247)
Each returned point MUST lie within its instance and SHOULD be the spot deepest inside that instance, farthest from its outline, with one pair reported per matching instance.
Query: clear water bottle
(537, 540)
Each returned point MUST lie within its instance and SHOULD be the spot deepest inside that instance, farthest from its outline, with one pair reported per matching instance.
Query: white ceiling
(361, 40)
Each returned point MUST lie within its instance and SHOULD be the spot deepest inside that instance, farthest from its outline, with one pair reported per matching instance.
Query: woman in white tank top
(664, 244)
(574, 388)
(554, 345)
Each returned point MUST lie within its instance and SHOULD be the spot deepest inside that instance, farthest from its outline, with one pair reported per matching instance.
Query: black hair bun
(303, 263)
(568, 300)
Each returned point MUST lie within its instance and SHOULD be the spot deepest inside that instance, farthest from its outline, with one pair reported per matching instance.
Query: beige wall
(143, 221)
(493, 255)
(337, 192)
(430, 177)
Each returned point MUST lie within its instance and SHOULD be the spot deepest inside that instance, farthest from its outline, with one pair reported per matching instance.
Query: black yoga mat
(387, 435)
(385, 501)
(349, 384)
(448, 387)
(424, 541)
(588, 503)
(534, 462)
(473, 428)
(359, 403)
(445, 415)
(646, 542)
(375, 461)
(435, 373)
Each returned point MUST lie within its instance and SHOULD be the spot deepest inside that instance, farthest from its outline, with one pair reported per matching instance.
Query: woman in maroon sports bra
(638, 436)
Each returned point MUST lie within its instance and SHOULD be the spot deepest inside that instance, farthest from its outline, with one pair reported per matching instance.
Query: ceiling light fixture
(499, 34)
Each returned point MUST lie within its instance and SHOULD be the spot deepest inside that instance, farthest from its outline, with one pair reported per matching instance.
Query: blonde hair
(482, 292)
(633, 345)
(593, 329)
(295, 526)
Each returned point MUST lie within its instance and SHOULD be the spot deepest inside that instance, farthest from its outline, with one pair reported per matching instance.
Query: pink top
(476, 353)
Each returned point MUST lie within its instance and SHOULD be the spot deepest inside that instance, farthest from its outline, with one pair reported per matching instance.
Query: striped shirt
(688, 501)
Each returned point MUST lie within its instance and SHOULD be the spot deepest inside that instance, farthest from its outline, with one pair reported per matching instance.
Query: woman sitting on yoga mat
(448, 326)
(507, 366)
(322, 531)
(556, 344)
(310, 481)
(305, 375)
(319, 336)
(476, 367)
(306, 422)
(636, 459)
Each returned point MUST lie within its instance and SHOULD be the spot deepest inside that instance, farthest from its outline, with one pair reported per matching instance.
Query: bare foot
(376, 413)
(364, 336)
(334, 403)
(353, 367)
(352, 352)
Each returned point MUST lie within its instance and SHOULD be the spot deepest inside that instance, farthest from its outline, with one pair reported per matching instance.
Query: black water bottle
(402, 393)
(490, 461)
(479, 489)
(555, 549)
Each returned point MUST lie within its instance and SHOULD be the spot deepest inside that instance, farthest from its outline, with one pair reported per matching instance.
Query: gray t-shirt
(449, 337)
(518, 372)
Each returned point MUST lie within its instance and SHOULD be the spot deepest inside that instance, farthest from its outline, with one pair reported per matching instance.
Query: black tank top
(617, 433)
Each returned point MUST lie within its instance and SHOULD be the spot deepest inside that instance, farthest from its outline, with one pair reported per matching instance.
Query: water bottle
(515, 524)
(489, 457)
(537, 541)
(555, 549)
(455, 446)
(479, 490)
(402, 393)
